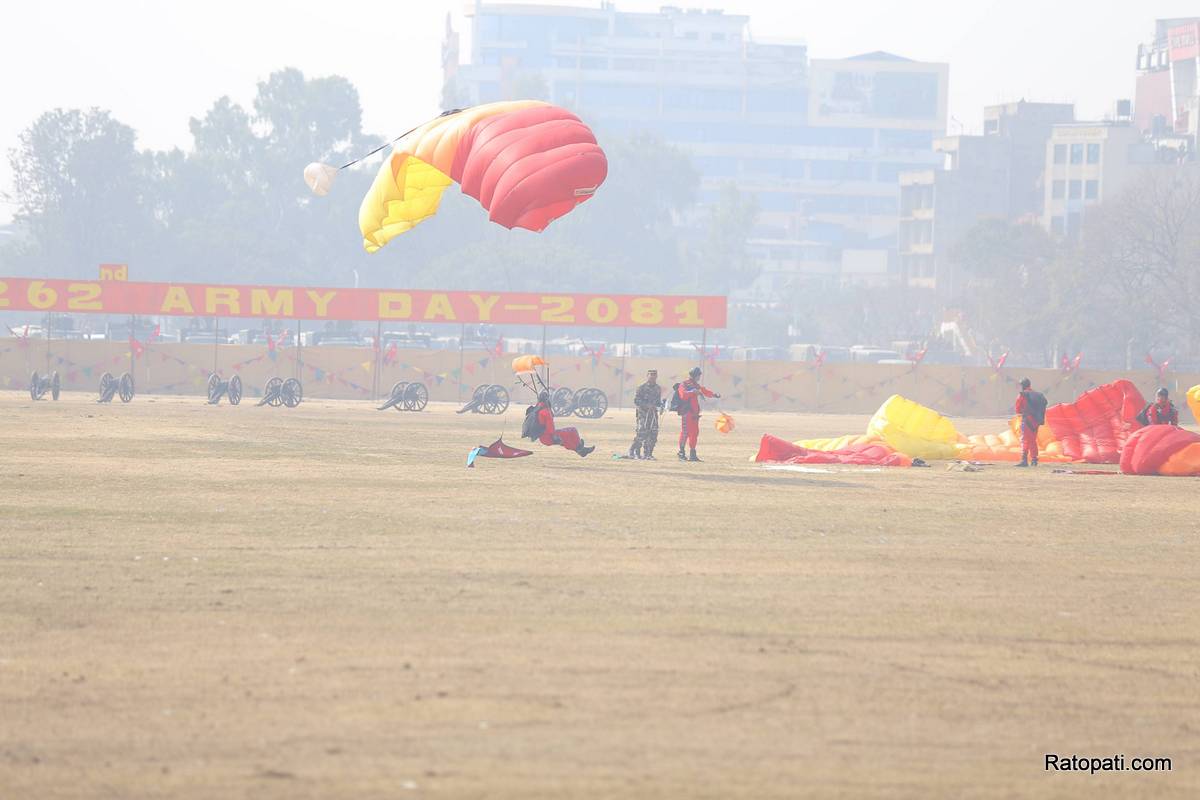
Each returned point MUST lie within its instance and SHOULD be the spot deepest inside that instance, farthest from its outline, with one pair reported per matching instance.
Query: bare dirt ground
(203, 602)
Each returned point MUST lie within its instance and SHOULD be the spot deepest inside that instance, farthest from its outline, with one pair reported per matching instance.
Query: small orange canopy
(522, 364)
(724, 423)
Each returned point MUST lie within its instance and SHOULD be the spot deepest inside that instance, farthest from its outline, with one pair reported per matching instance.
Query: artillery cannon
(588, 403)
(39, 385)
(279, 392)
(407, 396)
(110, 386)
(218, 388)
(487, 399)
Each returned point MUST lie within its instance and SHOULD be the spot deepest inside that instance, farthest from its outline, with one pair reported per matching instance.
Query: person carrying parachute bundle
(1031, 406)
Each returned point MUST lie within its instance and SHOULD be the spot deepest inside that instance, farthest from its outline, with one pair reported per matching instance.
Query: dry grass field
(202, 602)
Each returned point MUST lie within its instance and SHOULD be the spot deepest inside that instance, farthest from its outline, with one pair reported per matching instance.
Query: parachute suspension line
(386, 145)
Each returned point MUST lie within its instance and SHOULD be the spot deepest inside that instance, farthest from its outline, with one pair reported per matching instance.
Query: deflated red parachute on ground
(1095, 427)
(873, 454)
(1162, 450)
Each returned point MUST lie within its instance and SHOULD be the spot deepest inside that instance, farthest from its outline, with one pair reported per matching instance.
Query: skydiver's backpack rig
(532, 429)
(1037, 407)
(677, 405)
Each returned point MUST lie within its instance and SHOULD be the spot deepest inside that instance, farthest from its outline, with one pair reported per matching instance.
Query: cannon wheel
(579, 402)
(214, 386)
(272, 390)
(416, 397)
(55, 385)
(34, 385)
(125, 389)
(591, 404)
(562, 402)
(398, 395)
(496, 399)
(106, 387)
(292, 393)
(235, 390)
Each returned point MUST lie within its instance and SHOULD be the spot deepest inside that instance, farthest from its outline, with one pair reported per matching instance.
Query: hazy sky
(155, 64)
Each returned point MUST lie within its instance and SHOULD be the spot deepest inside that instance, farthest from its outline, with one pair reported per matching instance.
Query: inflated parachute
(525, 161)
(1193, 401)
(1162, 450)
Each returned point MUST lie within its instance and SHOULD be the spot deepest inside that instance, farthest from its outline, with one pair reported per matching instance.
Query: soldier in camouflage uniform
(648, 403)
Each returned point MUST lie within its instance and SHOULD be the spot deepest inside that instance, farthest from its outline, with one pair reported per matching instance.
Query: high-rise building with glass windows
(819, 143)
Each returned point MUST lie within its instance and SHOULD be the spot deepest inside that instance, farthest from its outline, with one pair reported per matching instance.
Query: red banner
(361, 305)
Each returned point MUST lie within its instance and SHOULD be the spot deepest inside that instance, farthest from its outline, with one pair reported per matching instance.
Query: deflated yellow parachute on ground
(914, 430)
(905, 426)
(527, 163)
(1193, 399)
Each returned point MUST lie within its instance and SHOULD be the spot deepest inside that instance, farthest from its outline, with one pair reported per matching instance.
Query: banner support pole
(624, 351)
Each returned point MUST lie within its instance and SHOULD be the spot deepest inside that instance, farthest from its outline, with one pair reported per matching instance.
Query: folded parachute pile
(1093, 429)
(875, 454)
(1162, 450)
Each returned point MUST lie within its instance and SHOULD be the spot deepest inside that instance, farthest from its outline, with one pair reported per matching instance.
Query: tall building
(938, 206)
(1086, 163)
(1167, 98)
(819, 144)
(1026, 126)
(999, 174)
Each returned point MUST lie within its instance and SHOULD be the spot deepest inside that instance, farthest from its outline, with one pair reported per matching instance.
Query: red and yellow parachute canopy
(525, 161)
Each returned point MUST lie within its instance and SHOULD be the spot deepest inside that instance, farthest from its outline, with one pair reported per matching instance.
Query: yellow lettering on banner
(646, 311)
(439, 306)
(83, 297)
(4, 303)
(688, 313)
(601, 309)
(281, 305)
(395, 305)
(177, 300)
(559, 309)
(321, 301)
(40, 295)
(222, 296)
(484, 307)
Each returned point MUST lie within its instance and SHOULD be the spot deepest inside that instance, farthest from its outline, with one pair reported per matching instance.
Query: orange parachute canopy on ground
(1093, 429)
(1162, 450)
(524, 364)
(873, 454)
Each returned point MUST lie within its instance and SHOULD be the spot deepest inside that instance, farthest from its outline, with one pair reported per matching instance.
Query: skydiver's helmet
(695, 373)
(1162, 393)
(544, 397)
(1025, 384)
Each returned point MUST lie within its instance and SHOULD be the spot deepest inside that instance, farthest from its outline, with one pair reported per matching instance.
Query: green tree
(80, 186)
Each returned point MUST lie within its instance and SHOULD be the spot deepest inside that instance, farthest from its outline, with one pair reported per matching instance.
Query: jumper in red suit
(567, 437)
(689, 429)
(1163, 414)
(1029, 429)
